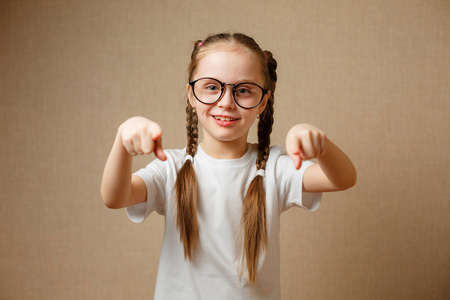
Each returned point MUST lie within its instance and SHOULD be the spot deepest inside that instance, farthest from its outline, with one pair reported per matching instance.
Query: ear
(263, 104)
(190, 95)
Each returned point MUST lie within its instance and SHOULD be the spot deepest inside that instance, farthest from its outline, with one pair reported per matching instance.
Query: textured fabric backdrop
(374, 75)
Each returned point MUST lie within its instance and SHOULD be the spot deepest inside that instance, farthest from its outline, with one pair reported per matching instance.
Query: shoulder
(175, 154)
(276, 155)
(277, 151)
(175, 158)
(279, 160)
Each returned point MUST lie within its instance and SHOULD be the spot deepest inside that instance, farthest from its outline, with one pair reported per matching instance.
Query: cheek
(250, 117)
(202, 109)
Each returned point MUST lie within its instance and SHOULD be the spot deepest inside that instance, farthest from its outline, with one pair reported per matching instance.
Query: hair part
(253, 231)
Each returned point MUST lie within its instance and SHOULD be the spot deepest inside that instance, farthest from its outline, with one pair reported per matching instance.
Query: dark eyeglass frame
(222, 86)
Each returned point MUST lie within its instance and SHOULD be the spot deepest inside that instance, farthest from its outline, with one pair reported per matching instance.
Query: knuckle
(127, 140)
(144, 128)
(147, 149)
(134, 134)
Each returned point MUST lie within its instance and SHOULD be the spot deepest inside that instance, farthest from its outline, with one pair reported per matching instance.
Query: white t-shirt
(222, 185)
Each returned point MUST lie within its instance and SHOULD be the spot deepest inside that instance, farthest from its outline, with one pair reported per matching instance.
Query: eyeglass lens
(209, 90)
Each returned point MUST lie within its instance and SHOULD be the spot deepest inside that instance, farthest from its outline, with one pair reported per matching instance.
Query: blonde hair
(253, 233)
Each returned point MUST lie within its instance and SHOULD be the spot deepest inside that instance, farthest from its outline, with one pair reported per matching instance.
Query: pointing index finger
(157, 138)
(293, 149)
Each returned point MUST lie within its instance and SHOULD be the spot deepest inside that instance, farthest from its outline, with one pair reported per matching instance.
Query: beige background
(374, 75)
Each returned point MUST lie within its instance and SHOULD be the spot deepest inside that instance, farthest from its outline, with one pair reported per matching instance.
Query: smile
(225, 121)
(220, 118)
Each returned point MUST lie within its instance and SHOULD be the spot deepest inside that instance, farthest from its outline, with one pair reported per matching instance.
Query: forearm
(116, 180)
(337, 167)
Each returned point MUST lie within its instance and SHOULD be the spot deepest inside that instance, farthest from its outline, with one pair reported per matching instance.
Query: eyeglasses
(210, 90)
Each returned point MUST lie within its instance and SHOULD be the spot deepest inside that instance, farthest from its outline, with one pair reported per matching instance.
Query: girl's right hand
(139, 135)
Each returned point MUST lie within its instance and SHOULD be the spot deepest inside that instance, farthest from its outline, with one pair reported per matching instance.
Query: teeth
(224, 119)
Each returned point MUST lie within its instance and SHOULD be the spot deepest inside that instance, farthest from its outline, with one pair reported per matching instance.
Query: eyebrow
(238, 82)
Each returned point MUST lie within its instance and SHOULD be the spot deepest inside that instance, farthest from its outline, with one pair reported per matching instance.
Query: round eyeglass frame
(222, 87)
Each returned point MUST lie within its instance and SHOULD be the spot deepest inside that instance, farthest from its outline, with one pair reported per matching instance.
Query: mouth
(225, 121)
(223, 118)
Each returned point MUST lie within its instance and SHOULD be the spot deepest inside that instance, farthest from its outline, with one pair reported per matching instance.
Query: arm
(334, 171)
(135, 136)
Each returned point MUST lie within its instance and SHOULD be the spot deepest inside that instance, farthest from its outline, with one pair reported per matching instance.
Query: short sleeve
(155, 178)
(290, 182)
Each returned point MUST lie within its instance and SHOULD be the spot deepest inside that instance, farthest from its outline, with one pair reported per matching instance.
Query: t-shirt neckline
(230, 163)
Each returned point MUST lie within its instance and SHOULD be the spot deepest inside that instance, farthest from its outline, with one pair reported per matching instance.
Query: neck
(224, 150)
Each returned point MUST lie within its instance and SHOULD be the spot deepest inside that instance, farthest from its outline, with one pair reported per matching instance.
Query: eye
(208, 85)
(212, 87)
(243, 91)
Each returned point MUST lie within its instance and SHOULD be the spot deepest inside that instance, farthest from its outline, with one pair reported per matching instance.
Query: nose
(227, 100)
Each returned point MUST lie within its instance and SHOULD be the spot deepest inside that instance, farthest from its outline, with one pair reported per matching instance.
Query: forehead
(229, 64)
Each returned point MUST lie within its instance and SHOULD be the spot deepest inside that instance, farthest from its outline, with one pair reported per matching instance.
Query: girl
(222, 199)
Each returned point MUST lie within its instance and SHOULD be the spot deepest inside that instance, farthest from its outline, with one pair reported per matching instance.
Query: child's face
(224, 120)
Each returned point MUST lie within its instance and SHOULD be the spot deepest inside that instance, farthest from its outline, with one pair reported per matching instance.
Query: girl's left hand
(305, 141)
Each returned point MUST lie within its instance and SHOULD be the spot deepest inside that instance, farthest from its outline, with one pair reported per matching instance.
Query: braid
(266, 118)
(271, 68)
(264, 131)
(186, 190)
(192, 130)
(253, 219)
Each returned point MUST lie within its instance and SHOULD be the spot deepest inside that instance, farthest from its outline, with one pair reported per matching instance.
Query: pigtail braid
(186, 190)
(253, 219)
(192, 130)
